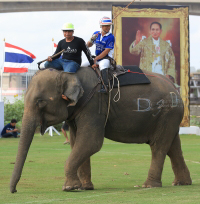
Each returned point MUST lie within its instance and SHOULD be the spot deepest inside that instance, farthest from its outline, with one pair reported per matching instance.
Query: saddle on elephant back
(117, 75)
(126, 75)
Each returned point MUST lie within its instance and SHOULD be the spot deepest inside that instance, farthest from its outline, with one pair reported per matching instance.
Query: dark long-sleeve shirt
(73, 50)
(7, 127)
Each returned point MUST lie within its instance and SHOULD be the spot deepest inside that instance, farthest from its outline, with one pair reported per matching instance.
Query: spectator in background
(10, 130)
(64, 128)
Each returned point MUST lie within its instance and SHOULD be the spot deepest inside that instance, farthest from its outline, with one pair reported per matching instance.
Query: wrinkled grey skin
(144, 114)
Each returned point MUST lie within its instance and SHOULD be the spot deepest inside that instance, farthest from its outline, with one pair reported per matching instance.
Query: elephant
(145, 113)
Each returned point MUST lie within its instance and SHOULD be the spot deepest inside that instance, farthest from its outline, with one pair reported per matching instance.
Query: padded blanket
(135, 76)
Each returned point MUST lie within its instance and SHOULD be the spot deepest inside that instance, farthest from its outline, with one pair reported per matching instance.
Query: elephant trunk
(27, 133)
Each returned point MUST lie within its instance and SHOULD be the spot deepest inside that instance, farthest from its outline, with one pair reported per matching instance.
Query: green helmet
(68, 26)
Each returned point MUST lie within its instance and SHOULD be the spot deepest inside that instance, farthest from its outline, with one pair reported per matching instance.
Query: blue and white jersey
(103, 42)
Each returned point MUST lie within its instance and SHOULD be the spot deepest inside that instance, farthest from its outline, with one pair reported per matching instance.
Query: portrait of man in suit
(153, 44)
(156, 55)
(155, 38)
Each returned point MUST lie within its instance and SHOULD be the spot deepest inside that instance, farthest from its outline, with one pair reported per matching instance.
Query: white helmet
(105, 21)
(68, 26)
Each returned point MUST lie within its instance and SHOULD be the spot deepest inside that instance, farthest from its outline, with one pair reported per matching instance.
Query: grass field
(118, 172)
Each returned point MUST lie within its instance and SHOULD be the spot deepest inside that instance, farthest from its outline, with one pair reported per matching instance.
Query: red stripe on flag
(15, 70)
(19, 48)
(55, 45)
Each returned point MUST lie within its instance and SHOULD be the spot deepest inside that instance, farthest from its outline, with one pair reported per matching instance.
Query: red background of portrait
(170, 31)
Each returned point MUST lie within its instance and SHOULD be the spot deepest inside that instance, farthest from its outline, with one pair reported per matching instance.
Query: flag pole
(1, 82)
(2, 68)
(26, 81)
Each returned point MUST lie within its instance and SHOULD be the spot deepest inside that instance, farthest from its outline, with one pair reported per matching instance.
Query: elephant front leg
(84, 174)
(83, 181)
(77, 169)
(72, 181)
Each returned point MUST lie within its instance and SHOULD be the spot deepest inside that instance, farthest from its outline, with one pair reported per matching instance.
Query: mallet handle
(51, 57)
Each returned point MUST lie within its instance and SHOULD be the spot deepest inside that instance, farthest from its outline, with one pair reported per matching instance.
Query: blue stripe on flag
(17, 58)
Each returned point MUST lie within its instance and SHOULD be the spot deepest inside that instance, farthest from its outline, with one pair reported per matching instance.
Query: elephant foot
(180, 183)
(69, 186)
(151, 184)
(13, 190)
(87, 186)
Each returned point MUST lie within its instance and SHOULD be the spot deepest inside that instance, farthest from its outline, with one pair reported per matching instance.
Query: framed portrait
(155, 38)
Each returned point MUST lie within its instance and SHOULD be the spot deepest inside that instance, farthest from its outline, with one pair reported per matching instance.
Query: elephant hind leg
(155, 171)
(159, 149)
(181, 172)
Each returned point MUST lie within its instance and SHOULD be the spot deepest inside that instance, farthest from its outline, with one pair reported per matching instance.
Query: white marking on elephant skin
(144, 104)
(174, 99)
(148, 104)
(156, 113)
(160, 105)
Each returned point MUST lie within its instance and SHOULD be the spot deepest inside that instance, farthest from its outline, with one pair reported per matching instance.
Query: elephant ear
(71, 87)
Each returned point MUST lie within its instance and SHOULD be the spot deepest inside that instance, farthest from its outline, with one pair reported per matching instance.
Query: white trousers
(104, 63)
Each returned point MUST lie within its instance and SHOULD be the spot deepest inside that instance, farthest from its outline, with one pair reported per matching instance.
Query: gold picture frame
(180, 15)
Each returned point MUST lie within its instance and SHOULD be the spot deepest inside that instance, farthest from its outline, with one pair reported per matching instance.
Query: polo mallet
(51, 57)
(97, 70)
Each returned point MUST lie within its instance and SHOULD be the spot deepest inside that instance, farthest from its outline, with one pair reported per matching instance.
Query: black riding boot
(104, 75)
(102, 90)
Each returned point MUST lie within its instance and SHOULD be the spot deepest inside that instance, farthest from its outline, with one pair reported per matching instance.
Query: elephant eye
(41, 103)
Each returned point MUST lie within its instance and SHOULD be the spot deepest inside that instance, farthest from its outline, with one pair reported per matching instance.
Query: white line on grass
(196, 162)
(192, 161)
(52, 200)
(124, 153)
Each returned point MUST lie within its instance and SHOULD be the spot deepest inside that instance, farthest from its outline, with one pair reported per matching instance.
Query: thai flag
(17, 60)
(54, 47)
